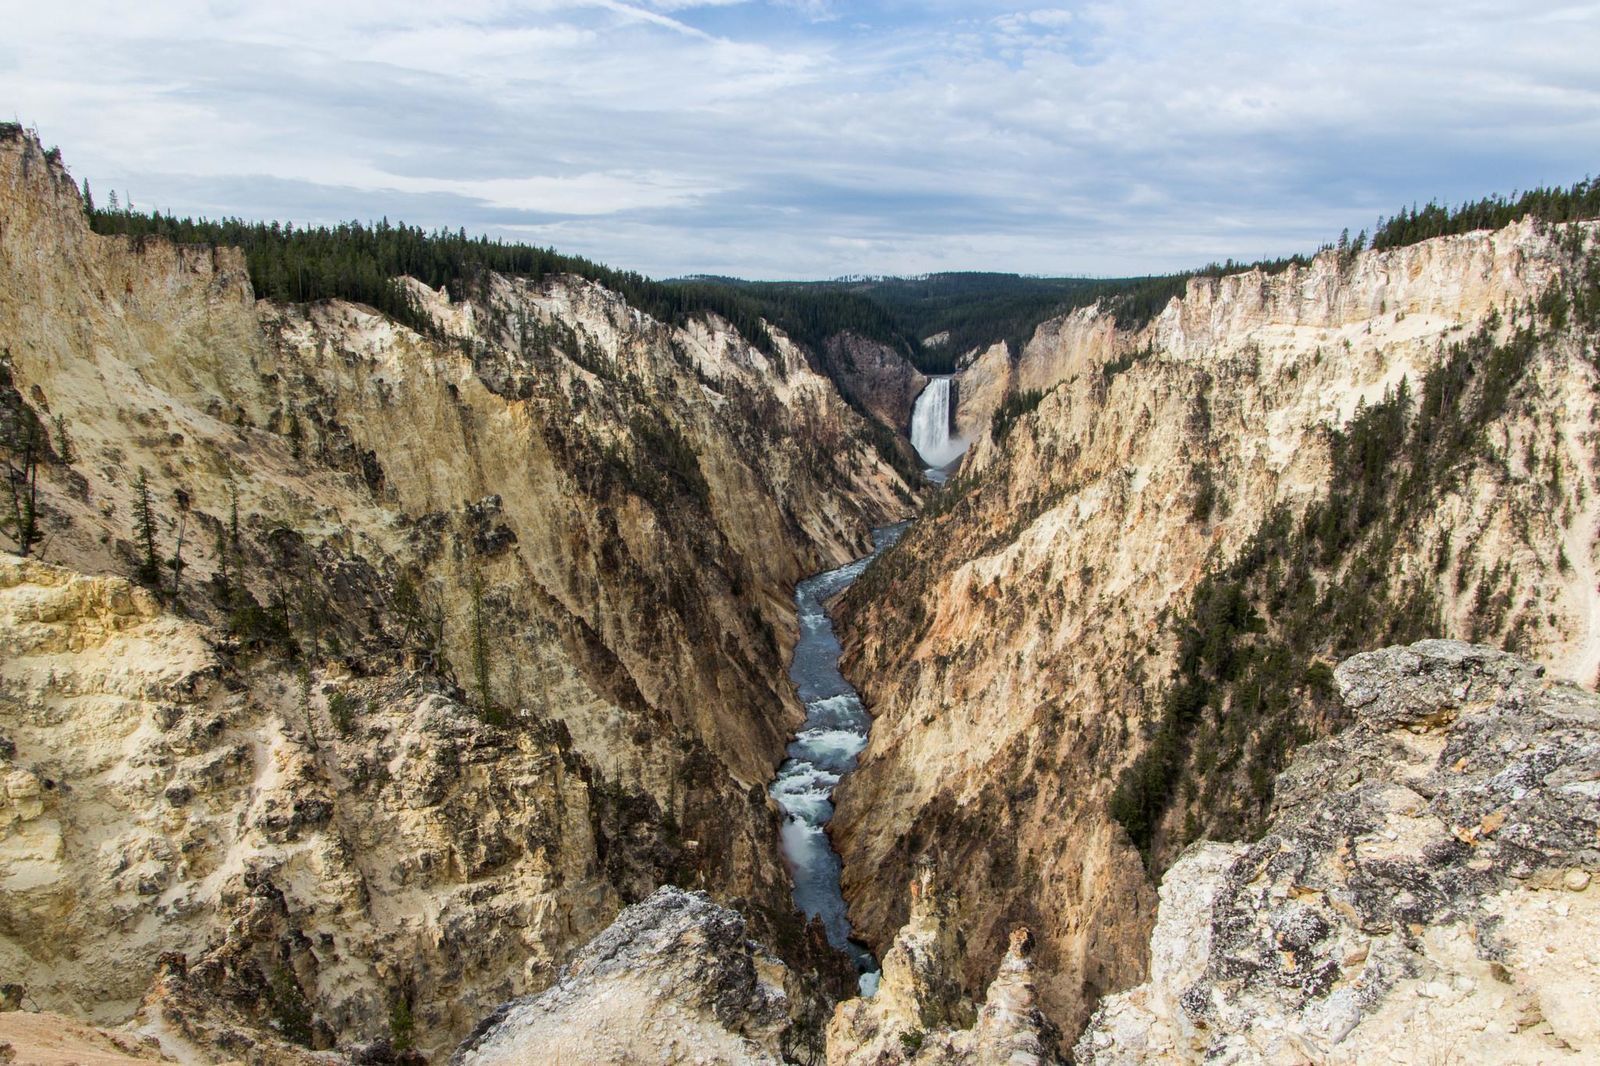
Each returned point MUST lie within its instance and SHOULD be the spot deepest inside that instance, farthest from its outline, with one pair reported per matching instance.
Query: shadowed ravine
(825, 749)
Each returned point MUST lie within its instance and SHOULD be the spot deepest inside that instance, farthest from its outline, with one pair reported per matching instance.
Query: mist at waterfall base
(825, 749)
(930, 430)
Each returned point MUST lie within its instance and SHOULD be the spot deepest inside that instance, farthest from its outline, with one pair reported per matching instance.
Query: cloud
(801, 138)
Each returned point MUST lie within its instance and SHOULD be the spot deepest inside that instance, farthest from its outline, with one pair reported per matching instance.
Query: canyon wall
(477, 635)
(1109, 631)
(877, 377)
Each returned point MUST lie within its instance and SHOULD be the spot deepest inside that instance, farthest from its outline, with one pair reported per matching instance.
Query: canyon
(1133, 593)
(478, 637)
(536, 678)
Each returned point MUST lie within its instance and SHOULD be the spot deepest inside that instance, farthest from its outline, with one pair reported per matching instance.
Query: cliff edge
(1422, 894)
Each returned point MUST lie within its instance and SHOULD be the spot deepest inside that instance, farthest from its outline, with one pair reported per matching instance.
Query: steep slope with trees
(374, 669)
(1109, 631)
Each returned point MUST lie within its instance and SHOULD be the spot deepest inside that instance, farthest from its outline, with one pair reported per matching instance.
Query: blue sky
(814, 138)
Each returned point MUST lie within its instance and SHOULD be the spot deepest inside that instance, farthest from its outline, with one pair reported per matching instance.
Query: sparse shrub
(1205, 493)
(402, 1026)
(342, 712)
(287, 1004)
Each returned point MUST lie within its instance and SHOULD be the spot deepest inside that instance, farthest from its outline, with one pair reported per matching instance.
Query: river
(825, 749)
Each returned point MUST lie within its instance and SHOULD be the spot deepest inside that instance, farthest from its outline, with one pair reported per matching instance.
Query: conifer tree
(64, 446)
(22, 479)
(144, 524)
(480, 656)
(181, 498)
(223, 581)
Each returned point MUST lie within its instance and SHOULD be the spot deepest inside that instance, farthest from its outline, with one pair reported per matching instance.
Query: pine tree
(22, 479)
(223, 582)
(64, 441)
(304, 701)
(181, 498)
(144, 524)
(480, 656)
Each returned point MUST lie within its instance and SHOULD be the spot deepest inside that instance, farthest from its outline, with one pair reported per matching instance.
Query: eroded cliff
(1422, 893)
(447, 645)
(1107, 634)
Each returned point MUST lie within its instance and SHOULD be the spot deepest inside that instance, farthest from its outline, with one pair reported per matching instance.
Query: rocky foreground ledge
(676, 980)
(1423, 894)
(673, 979)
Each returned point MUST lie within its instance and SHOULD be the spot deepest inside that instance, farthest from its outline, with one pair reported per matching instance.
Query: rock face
(919, 1013)
(478, 636)
(1023, 645)
(48, 1039)
(674, 979)
(875, 376)
(1422, 894)
(160, 798)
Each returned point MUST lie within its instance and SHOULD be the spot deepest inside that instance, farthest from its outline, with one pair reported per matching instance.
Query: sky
(817, 138)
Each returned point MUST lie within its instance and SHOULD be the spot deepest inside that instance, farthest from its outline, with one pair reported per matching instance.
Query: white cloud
(715, 135)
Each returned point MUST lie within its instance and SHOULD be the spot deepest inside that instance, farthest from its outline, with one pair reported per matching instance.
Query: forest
(1413, 225)
(360, 262)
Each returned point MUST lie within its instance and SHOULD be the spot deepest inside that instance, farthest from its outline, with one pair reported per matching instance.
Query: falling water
(930, 427)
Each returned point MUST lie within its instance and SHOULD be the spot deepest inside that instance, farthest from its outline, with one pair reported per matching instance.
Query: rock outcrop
(675, 979)
(1186, 503)
(1422, 893)
(918, 1012)
(876, 377)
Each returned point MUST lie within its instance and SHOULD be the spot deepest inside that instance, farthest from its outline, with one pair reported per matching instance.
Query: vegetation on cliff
(1252, 680)
(1412, 225)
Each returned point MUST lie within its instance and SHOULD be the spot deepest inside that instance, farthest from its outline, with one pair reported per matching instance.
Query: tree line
(1413, 225)
(361, 262)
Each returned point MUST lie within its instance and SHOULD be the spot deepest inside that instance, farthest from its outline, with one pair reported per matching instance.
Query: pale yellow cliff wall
(1018, 641)
(638, 628)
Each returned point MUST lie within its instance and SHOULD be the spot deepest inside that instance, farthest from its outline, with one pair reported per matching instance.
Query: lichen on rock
(1422, 893)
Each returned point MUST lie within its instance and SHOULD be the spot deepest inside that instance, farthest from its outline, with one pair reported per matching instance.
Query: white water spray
(930, 425)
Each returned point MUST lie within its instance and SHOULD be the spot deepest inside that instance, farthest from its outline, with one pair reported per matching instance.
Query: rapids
(822, 752)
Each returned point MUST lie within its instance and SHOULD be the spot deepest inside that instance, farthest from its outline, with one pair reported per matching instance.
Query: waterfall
(930, 425)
